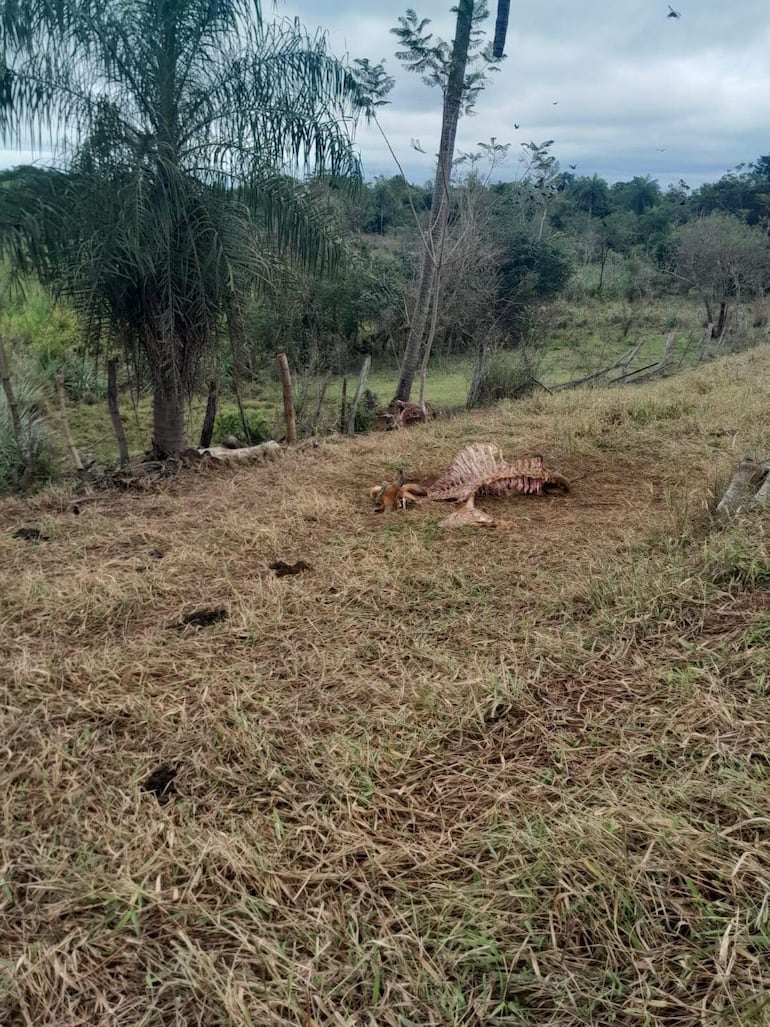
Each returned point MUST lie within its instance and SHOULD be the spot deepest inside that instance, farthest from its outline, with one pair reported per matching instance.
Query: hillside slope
(478, 777)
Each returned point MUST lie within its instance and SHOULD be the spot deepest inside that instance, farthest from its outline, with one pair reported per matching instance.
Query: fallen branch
(630, 358)
(632, 374)
(247, 454)
(577, 382)
(542, 385)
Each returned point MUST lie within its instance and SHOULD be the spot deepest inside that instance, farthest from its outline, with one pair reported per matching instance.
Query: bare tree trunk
(478, 375)
(112, 403)
(343, 404)
(431, 337)
(241, 411)
(320, 403)
(66, 425)
(351, 423)
(603, 261)
(207, 431)
(439, 214)
(288, 400)
(719, 330)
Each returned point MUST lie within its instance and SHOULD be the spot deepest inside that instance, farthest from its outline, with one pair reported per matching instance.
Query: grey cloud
(629, 83)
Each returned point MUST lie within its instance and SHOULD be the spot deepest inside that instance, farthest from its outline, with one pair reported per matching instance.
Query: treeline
(743, 192)
(512, 247)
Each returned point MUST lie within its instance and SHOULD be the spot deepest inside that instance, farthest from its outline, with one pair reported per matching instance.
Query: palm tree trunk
(439, 214)
(167, 421)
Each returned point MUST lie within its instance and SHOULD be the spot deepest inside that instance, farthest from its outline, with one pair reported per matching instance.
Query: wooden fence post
(288, 400)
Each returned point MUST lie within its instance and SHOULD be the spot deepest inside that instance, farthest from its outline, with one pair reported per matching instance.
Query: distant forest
(513, 246)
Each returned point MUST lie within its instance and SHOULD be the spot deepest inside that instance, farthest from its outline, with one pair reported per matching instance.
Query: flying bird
(516, 126)
(555, 102)
(415, 144)
(672, 13)
(572, 167)
(662, 151)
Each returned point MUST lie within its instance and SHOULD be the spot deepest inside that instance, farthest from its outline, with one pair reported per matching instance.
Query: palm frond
(180, 126)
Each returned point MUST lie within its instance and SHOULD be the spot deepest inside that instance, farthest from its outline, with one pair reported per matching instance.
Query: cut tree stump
(749, 486)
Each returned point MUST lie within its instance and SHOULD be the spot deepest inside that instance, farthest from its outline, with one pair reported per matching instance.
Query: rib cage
(481, 469)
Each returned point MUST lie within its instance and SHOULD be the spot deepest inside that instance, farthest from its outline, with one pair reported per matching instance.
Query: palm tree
(179, 125)
(641, 193)
(591, 195)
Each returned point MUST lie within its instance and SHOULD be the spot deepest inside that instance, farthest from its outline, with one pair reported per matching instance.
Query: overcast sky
(638, 93)
(621, 88)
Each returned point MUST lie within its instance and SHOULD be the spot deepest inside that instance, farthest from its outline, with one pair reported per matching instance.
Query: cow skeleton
(478, 470)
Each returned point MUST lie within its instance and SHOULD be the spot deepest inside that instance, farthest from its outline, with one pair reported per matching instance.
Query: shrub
(35, 441)
(255, 430)
(507, 374)
(82, 381)
(368, 406)
(534, 270)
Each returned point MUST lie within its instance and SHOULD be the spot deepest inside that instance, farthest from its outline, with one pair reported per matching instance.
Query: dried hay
(446, 778)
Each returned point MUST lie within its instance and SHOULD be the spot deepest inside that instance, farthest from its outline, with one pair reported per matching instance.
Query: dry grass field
(474, 777)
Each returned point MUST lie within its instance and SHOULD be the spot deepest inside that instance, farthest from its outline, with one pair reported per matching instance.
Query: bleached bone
(481, 470)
